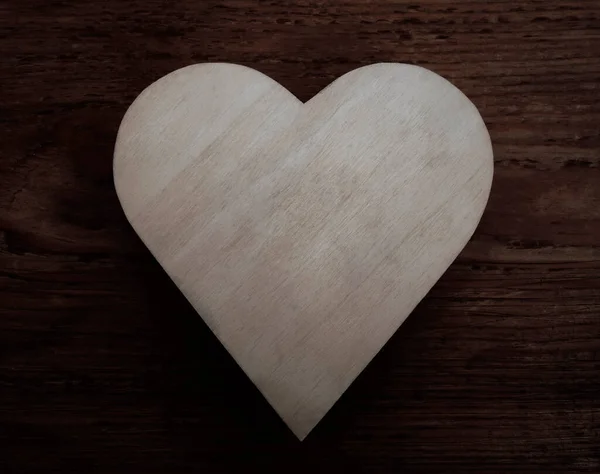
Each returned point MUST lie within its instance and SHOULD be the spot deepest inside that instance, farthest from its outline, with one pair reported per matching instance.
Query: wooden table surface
(105, 368)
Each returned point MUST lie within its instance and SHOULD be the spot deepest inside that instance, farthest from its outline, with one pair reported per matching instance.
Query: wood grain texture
(100, 374)
(303, 234)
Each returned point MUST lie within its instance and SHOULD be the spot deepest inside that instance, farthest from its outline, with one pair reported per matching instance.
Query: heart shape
(304, 234)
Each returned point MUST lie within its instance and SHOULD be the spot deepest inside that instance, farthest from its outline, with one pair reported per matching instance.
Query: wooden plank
(104, 366)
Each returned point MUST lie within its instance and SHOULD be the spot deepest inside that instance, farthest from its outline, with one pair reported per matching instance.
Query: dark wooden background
(104, 367)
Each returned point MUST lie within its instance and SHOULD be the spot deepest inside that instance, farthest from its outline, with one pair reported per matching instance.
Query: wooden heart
(304, 234)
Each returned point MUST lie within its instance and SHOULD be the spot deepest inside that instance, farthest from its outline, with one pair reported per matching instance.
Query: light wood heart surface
(303, 234)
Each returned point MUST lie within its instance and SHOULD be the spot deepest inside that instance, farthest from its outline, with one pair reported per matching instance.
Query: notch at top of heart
(304, 234)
